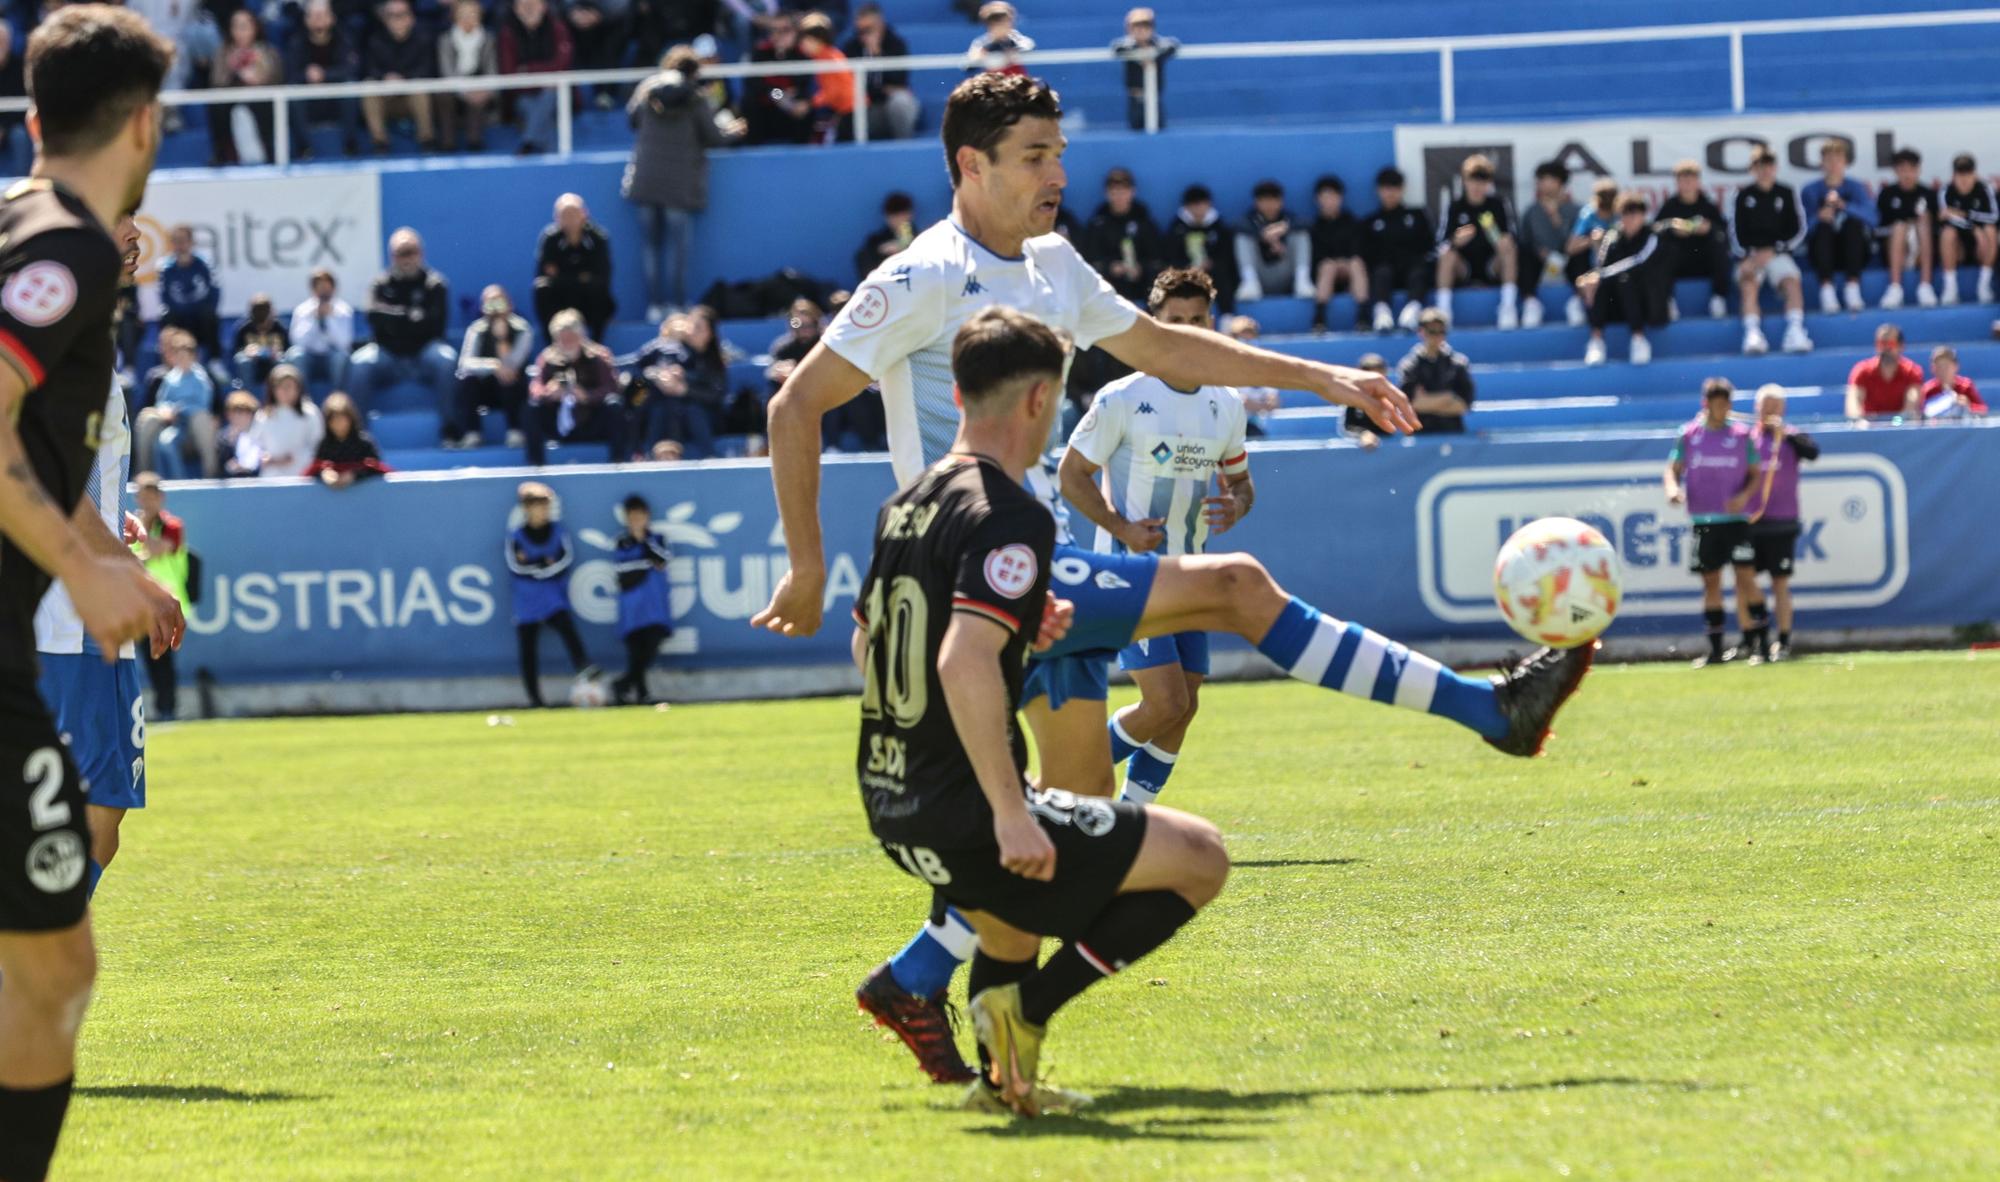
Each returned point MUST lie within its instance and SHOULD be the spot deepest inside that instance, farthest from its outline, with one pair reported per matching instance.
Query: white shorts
(1780, 268)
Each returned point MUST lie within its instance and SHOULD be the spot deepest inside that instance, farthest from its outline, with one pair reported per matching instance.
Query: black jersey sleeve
(1003, 568)
(59, 284)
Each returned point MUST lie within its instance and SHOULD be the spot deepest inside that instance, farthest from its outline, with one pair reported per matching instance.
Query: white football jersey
(58, 629)
(1160, 449)
(899, 326)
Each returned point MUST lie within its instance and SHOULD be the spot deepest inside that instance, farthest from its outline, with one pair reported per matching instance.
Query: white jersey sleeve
(1101, 311)
(1235, 459)
(1102, 430)
(897, 310)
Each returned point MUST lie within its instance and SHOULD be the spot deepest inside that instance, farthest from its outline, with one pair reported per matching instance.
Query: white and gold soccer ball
(588, 692)
(1558, 582)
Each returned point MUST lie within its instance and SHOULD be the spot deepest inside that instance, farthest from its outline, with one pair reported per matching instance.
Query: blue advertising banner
(404, 577)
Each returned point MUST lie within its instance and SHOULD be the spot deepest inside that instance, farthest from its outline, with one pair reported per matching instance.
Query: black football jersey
(1974, 207)
(962, 538)
(59, 276)
(1490, 216)
(1896, 204)
(1396, 236)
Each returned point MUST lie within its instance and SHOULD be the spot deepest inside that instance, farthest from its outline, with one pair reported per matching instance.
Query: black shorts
(44, 833)
(1721, 543)
(1775, 544)
(1096, 841)
(1968, 242)
(1482, 260)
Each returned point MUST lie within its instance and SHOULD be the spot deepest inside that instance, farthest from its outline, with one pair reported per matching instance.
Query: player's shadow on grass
(1274, 863)
(1540, 1085)
(187, 1094)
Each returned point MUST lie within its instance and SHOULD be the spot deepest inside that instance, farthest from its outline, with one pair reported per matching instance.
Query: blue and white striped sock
(1122, 744)
(1147, 774)
(1349, 659)
(925, 965)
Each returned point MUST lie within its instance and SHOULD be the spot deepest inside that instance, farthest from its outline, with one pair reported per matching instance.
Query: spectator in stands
(1122, 240)
(1592, 224)
(407, 312)
(599, 30)
(322, 53)
(999, 47)
(645, 607)
(1437, 377)
(804, 324)
(188, 292)
(322, 334)
(539, 556)
(1356, 422)
(1545, 237)
(1336, 254)
(675, 125)
(187, 23)
(1273, 253)
(833, 92)
(398, 50)
(1140, 44)
(467, 49)
(891, 238)
(492, 369)
(535, 40)
(247, 60)
(1396, 243)
(893, 108)
(1695, 236)
(778, 106)
(1627, 282)
(1950, 394)
(1773, 510)
(1843, 229)
(261, 342)
(1766, 227)
(162, 547)
(686, 384)
(1476, 242)
(1906, 214)
(1887, 384)
(1969, 216)
(346, 453)
(573, 396)
(236, 453)
(183, 404)
(573, 267)
(1198, 238)
(289, 427)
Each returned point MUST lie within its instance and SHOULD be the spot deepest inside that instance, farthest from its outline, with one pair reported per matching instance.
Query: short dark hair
(1389, 178)
(635, 501)
(1908, 156)
(1893, 330)
(898, 202)
(1763, 155)
(1329, 183)
(90, 66)
(320, 273)
(1268, 188)
(1552, 168)
(997, 348)
(1194, 193)
(1180, 283)
(1963, 163)
(1120, 175)
(979, 112)
(1717, 388)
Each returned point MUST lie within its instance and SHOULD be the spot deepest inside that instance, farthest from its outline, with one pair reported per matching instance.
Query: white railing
(1446, 49)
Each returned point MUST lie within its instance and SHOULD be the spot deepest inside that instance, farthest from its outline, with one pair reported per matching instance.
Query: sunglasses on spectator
(1481, 175)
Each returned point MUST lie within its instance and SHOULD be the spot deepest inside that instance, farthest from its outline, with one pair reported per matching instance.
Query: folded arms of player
(976, 693)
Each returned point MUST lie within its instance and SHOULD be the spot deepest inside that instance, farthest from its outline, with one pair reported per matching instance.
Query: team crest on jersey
(55, 862)
(1010, 570)
(40, 293)
(870, 307)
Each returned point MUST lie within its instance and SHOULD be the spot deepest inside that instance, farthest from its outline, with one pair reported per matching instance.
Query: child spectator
(1694, 235)
(999, 48)
(1592, 224)
(573, 396)
(1905, 211)
(236, 453)
(1627, 282)
(833, 91)
(1396, 243)
(535, 40)
(162, 547)
(1969, 214)
(322, 335)
(684, 384)
(182, 415)
(467, 50)
(1121, 239)
(188, 294)
(573, 267)
(1141, 42)
(539, 557)
(492, 369)
(1273, 253)
(1843, 231)
(261, 342)
(892, 238)
(1336, 254)
(1476, 242)
(1197, 238)
(289, 427)
(1545, 236)
(645, 609)
(1765, 229)
(346, 453)
(1950, 394)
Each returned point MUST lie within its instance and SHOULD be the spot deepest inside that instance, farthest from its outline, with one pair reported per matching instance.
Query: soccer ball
(1557, 581)
(588, 692)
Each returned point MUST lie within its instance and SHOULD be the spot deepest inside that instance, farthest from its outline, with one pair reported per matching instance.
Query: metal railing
(1446, 49)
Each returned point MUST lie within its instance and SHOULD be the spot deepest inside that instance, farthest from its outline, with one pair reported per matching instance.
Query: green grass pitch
(1737, 924)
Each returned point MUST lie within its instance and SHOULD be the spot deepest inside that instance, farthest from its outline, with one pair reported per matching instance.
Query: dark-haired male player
(94, 73)
(1003, 148)
(953, 599)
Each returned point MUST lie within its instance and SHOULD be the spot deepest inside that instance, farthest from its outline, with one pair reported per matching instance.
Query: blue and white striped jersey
(1161, 449)
(58, 629)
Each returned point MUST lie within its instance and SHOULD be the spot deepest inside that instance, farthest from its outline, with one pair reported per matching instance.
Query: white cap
(704, 46)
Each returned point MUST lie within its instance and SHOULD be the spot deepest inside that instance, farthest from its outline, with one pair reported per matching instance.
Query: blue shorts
(101, 714)
(1189, 650)
(1109, 591)
(1084, 675)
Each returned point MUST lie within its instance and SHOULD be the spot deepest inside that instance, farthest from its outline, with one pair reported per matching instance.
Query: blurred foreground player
(94, 75)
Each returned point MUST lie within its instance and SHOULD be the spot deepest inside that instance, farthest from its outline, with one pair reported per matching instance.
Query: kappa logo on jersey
(972, 287)
(1010, 570)
(1145, 408)
(901, 275)
(870, 307)
(40, 293)
(1214, 411)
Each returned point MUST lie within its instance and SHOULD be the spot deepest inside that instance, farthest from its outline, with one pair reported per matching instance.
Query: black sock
(1127, 929)
(30, 1121)
(1319, 311)
(1785, 637)
(1759, 631)
(988, 971)
(1713, 617)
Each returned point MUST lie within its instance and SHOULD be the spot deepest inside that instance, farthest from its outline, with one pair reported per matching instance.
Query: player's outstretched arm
(819, 383)
(976, 693)
(169, 623)
(1187, 357)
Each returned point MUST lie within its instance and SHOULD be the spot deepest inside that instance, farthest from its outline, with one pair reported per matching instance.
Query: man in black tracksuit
(1122, 241)
(1397, 245)
(1765, 229)
(1694, 237)
(1627, 279)
(1199, 238)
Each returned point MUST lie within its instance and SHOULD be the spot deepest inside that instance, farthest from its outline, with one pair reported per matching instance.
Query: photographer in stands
(573, 396)
(686, 383)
